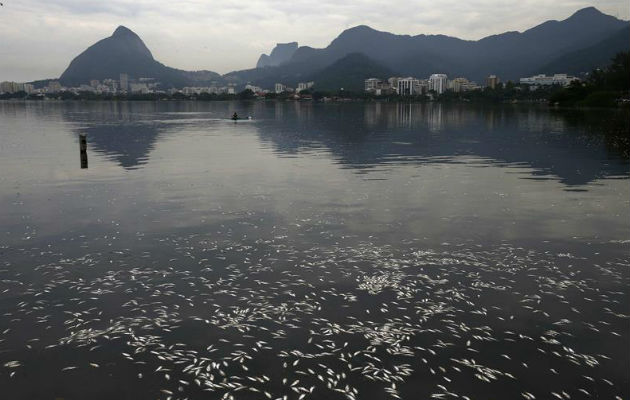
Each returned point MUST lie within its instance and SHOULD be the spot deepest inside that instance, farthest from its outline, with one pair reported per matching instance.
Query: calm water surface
(318, 251)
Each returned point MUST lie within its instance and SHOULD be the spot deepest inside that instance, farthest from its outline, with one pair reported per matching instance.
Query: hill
(596, 56)
(125, 52)
(510, 55)
(349, 73)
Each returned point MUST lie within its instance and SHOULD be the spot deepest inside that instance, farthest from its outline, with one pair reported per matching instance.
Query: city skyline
(40, 38)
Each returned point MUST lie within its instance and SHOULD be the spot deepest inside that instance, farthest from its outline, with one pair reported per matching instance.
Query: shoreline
(539, 104)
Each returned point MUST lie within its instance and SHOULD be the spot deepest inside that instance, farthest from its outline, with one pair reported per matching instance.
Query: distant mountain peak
(356, 36)
(280, 54)
(359, 29)
(587, 11)
(123, 31)
(125, 52)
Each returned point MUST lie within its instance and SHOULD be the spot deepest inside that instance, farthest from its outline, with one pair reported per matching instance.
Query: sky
(39, 38)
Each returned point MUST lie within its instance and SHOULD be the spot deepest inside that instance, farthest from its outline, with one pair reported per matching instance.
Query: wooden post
(83, 150)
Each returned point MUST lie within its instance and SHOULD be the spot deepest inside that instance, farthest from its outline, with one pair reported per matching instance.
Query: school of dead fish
(271, 319)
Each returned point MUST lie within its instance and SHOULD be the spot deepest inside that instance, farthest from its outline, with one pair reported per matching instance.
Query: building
(11, 87)
(459, 85)
(304, 86)
(139, 88)
(253, 88)
(492, 81)
(544, 80)
(86, 88)
(438, 83)
(379, 87)
(371, 84)
(279, 88)
(408, 86)
(191, 90)
(424, 85)
(54, 87)
(111, 84)
(124, 82)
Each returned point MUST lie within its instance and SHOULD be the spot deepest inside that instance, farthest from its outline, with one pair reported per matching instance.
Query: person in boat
(235, 117)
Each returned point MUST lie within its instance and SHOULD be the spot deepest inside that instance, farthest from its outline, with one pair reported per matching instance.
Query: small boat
(235, 117)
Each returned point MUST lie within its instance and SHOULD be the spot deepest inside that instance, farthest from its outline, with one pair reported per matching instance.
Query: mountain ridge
(510, 55)
(584, 60)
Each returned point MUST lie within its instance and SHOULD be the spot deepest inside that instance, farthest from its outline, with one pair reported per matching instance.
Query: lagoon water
(317, 251)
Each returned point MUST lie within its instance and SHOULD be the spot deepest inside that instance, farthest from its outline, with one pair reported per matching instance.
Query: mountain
(509, 55)
(349, 73)
(287, 73)
(125, 52)
(280, 54)
(572, 45)
(586, 59)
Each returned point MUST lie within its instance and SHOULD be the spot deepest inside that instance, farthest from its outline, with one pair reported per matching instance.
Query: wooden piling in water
(83, 150)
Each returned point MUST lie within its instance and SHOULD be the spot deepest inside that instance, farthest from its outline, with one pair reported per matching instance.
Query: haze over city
(40, 38)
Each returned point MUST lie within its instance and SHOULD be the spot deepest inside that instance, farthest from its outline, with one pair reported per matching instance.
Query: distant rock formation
(124, 53)
(553, 46)
(280, 54)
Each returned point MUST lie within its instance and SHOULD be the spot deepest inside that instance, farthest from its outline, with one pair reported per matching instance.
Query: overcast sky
(39, 38)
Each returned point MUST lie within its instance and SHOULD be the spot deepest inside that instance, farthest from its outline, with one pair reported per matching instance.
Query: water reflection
(335, 249)
(574, 147)
(123, 132)
(375, 134)
(128, 144)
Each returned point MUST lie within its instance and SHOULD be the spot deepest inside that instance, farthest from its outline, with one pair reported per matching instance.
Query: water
(318, 251)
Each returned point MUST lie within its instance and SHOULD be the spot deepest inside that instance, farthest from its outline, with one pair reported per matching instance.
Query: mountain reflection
(123, 132)
(574, 147)
(365, 136)
(129, 144)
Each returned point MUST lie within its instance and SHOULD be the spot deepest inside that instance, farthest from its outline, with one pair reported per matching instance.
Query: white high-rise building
(408, 86)
(371, 84)
(124, 82)
(438, 82)
(279, 88)
(304, 86)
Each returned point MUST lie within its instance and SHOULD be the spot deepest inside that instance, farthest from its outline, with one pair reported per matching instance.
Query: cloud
(39, 38)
